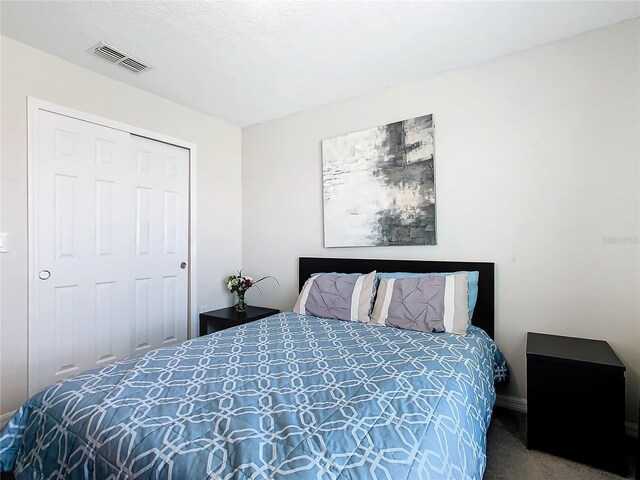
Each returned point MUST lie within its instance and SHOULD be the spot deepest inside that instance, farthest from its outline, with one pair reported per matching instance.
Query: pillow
(427, 303)
(331, 295)
(473, 283)
(373, 290)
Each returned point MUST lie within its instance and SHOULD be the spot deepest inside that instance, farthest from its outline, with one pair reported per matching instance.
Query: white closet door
(161, 174)
(110, 231)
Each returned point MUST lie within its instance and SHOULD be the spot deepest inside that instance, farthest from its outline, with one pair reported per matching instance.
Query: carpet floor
(509, 459)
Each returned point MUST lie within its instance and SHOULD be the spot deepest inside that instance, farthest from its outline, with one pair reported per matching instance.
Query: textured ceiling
(247, 62)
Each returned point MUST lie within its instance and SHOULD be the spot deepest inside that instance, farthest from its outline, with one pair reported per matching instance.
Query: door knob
(44, 274)
(183, 265)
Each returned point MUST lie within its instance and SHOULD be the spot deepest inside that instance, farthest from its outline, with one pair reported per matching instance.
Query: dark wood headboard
(483, 314)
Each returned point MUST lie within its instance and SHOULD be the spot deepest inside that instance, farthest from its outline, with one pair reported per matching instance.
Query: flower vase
(241, 305)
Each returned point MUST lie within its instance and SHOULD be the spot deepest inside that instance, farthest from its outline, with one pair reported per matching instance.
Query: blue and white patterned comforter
(285, 397)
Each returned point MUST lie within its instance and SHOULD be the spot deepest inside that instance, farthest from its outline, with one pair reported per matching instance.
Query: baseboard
(5, 417)
(520, 405)
(512, 403)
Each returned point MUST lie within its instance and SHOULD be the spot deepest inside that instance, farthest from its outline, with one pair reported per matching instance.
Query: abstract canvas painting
(378, 186)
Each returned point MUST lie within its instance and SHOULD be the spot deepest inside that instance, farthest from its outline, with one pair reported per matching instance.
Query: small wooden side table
(224, 318)
(576, 400)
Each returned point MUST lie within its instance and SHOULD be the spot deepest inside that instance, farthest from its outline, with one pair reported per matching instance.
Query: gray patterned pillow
(427, 304)
(329, 295)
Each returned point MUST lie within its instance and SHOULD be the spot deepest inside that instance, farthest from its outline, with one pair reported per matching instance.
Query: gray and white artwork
(378, 186)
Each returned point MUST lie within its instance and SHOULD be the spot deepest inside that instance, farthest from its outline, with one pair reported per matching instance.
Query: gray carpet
(509, 459)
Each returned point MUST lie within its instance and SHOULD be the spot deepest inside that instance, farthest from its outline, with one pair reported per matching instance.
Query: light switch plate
(4, 242)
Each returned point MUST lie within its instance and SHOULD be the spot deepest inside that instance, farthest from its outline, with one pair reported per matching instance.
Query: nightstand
(575, 400)
(217, 320)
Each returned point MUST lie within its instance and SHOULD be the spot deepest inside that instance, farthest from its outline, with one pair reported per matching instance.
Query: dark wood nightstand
(217, 320)
(575, 400)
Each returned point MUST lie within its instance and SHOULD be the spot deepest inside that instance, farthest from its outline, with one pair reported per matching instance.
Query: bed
(286, 397)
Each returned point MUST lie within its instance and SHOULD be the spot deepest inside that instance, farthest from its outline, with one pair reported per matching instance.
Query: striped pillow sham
(474, 277)
(428, 304)
(331, 295)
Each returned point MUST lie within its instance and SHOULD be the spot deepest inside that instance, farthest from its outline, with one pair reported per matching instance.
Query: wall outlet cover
(4, 242)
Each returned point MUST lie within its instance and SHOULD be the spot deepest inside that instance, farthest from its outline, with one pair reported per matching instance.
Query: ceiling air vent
(113, 55)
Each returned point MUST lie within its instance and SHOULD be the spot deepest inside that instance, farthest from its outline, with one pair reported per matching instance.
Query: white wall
(537, 166)
(30, 72)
